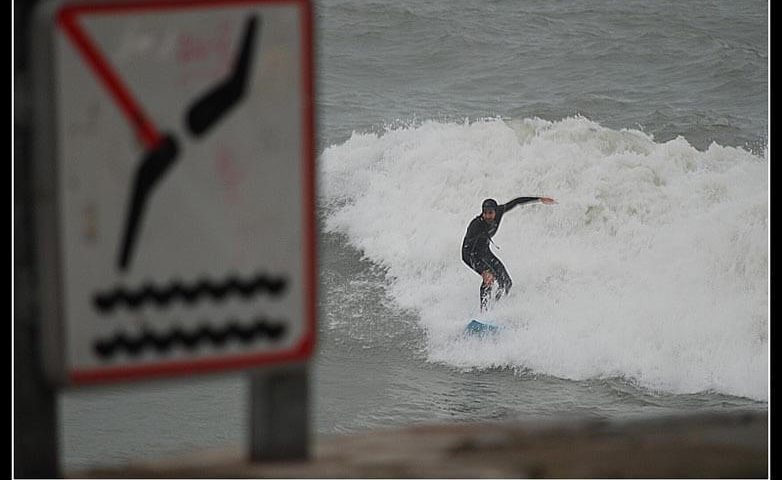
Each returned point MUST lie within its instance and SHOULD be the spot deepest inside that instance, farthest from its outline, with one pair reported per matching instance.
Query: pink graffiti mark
(230, 174)
(206, 56)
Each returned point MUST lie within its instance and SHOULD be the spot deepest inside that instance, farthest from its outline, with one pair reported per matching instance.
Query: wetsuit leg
(485, 294)
(504, 282)
(501, 278)
(479, 266)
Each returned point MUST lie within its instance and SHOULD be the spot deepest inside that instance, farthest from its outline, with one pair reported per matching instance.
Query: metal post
(36, 432)
(35, 410)
(279, 414)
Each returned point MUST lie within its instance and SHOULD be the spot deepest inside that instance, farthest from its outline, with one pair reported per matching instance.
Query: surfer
(475, 247)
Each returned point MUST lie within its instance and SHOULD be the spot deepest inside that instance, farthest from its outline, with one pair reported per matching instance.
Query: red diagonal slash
(146, 131)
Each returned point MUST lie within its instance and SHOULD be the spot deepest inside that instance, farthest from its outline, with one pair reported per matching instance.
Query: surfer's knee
(488, 278)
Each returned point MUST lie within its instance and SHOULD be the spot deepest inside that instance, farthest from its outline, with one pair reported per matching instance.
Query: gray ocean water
(695, 69)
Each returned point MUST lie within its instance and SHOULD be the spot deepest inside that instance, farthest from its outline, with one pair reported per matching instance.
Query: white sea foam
(653, 265)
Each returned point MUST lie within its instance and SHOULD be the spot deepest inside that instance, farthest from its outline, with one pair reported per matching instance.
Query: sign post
(176, 188)
(279, 414)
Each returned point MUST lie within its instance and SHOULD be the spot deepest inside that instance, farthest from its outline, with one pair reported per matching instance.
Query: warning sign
(178, 216)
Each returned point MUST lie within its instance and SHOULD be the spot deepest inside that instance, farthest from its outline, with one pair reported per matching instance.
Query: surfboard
(478, 327)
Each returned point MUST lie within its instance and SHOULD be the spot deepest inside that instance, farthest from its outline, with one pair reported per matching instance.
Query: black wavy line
(233, 332)
(107, 301)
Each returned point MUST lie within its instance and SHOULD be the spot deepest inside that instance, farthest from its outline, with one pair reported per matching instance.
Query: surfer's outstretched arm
(522, 200)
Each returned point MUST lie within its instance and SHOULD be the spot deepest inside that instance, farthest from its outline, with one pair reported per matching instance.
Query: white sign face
(184, 191)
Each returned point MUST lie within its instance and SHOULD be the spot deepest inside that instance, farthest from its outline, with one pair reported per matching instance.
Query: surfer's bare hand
(547, 200)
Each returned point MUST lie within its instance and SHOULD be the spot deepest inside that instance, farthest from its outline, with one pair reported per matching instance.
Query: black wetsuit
(476, 253)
